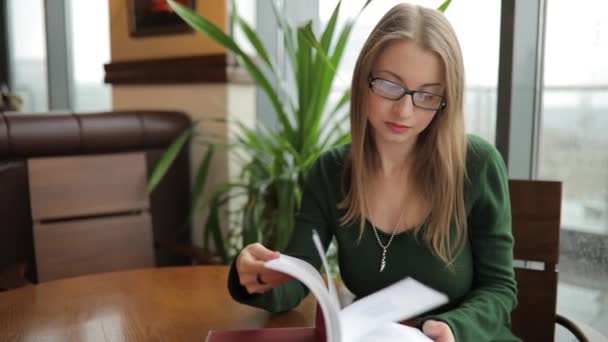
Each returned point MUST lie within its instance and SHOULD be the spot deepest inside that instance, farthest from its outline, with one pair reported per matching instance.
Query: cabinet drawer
(67, 187)
(77, 247)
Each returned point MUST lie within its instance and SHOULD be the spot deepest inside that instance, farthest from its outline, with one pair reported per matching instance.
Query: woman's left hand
(438, 331)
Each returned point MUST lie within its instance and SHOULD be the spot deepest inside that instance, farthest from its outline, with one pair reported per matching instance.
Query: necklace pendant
(383, 262)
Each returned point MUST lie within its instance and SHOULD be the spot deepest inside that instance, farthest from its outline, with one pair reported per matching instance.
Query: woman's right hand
(253, 275)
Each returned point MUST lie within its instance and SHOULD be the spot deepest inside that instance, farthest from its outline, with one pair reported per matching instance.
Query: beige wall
(201, 101)
(124, 48)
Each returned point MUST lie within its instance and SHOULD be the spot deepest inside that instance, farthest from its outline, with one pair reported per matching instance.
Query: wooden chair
(536, 211)
(90, 214)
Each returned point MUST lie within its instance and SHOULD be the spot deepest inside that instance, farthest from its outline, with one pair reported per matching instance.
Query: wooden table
(158, 304)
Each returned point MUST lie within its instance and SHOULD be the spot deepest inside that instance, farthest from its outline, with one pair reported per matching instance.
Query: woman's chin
(392, 138)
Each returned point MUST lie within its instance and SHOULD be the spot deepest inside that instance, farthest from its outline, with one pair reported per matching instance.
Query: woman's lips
(396, 128)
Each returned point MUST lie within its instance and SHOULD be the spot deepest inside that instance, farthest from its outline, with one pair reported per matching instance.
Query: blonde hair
(440, 151)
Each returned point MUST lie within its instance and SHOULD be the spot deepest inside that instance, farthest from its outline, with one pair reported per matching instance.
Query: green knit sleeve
(484, 313)
(314, 213)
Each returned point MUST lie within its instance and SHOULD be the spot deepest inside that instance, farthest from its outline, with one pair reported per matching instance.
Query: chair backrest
(90, 214)
(536, 211)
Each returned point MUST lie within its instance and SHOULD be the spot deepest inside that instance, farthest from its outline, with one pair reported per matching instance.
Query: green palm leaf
(444, 6)
(163, 165)
(201, 177)
(206, 27)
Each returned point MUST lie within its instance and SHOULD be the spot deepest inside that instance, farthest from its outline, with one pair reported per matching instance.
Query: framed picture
(155, 17)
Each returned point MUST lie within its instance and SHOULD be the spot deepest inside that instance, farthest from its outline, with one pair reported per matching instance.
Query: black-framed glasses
(392, 91)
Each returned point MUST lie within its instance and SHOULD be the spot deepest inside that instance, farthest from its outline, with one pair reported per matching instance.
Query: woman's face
(405, 65)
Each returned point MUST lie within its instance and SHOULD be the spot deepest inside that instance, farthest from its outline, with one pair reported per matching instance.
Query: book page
(310, 277)
(394, 332)
(333, 294)
(400, 301)
(370, 318)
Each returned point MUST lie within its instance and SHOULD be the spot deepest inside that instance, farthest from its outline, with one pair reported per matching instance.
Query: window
(480, 49)
(574, 143)
(88, 49)
(247, 10)
(574, 149)
(89, 30)
(27, 53)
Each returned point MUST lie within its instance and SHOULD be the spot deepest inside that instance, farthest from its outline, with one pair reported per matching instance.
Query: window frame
(59, 58)
(520, 85)
(4, 62)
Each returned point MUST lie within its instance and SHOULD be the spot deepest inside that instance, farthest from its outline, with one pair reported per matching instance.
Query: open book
(372, 318)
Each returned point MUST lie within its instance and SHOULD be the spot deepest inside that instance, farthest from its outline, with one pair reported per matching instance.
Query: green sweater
(481, 286)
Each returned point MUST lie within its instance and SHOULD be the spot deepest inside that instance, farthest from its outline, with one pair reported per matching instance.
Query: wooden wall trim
(191, 69)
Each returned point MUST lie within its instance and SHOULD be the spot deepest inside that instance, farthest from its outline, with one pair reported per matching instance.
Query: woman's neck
(395, 159)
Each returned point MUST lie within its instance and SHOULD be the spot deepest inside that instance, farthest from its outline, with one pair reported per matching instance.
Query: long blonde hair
(440, 150)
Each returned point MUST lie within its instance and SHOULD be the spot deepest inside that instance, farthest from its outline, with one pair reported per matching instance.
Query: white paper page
(395, 332)
(400, 301)
(311, 278)
(333, 294)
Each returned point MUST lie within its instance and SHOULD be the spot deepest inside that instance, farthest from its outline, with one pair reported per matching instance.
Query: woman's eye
(391, 87)
(424, 97)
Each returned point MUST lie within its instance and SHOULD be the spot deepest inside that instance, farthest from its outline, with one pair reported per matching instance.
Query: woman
(413, 195)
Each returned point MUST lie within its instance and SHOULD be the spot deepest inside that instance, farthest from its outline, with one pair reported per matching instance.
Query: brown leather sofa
(24, 136)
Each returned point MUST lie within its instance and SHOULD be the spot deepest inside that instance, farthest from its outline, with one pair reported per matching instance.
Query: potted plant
(9, 101)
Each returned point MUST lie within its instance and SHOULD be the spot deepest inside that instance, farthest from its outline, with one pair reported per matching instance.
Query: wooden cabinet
(90, 214)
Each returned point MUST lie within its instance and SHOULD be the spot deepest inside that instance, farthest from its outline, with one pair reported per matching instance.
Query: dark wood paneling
(536, 209)
(192, 69)
(534, 317)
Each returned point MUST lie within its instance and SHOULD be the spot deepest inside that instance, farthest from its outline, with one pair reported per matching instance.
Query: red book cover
(310, 334)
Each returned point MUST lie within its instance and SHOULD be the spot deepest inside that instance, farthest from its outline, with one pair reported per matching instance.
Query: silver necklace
(384, 247)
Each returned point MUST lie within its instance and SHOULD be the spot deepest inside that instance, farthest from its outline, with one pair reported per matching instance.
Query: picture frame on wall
(155, 17)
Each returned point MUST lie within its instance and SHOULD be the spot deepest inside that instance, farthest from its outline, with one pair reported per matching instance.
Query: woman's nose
(404, 107)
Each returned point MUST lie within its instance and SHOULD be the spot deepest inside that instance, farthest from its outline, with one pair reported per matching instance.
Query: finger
(438, 331)
(247, 279)
(255, 267)
(248, 262)
(257, 288)
(432, 329)
(259, 252)
(275, 277)
(271, 278)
